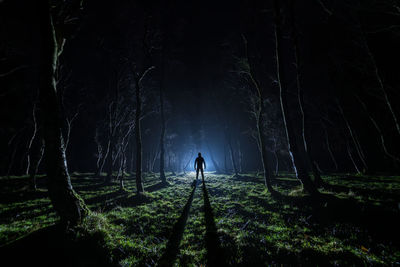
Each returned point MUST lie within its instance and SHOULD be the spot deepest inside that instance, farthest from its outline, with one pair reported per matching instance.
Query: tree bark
(225, 162)
(34, 134)
(294, 151)
(306, 135)
(162, 135)
(68, 205)
(240, 157)
(232, 155)
(381, 85)
(353, 138)
(328, 146)
(138, 137)
(351, 157)
(259, 123)
(103, 161)
(109, 162)
(380, 133)
(36, 155)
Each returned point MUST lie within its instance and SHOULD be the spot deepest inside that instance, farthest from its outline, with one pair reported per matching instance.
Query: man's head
(199, 154)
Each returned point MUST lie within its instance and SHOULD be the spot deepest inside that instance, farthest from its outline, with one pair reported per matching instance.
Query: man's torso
(199, 161)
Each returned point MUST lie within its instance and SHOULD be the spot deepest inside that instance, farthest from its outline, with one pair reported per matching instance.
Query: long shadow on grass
(156, 187)
(172, 249)
(215, 254)
(377, 193)
(24, 213)
(91, 187)
(369, 179)
(258, 180)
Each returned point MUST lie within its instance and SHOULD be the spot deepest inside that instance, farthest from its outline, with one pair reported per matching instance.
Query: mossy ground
(230, 221)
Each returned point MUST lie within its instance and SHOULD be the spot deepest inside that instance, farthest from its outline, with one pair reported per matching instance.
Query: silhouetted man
(198, 166)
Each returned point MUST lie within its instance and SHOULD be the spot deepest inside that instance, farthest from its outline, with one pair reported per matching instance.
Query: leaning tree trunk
(395, 159)
(109, 161)
(139, 183)
(294, 151)
(351, 157)
(260, 122)
(354, 139)
(381, 85)
(68, 205)
(306, 135)
(263, 148)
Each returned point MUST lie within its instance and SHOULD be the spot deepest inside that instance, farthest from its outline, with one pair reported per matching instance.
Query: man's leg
(202, 173)
(197, 173)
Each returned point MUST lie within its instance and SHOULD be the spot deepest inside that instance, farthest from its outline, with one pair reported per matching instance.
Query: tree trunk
(225, 162)
(68, 205)
(232, 156)
(260, 122)
(138, 135)
(306, 135)
(103, 161)
(294, 151)
(351, 158)
(162, 115)
(276, 163)
(354, 139)
(99, 154)
(217, 169)
(188, 162)
(328, 146)
(380, 133)
(109, 162)
(240, 157)
(122, 170)
(381, 85)
(36, 155)
(35, 128)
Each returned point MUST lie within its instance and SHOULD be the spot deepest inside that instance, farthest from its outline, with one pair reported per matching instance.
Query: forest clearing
(239, 223)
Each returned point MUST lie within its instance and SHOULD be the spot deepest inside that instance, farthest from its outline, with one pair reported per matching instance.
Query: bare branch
(327, 10)
(2, 75)
(141, 77)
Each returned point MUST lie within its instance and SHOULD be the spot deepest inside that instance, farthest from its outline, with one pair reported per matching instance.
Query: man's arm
(204, 164)
(195, 161)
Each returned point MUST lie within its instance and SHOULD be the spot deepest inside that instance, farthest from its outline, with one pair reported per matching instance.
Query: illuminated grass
(252, 227)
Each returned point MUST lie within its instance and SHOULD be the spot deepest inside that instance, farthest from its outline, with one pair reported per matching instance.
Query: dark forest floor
(229, 221)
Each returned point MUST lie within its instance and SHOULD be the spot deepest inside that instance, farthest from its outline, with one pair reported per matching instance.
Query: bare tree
(295, 153)
(379, 131)
(259, 113)
(162, 116)
(306, 135)
(354, 138)
(69, 206)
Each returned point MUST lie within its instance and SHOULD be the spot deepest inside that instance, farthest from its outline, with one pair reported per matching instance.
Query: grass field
(226, 221)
